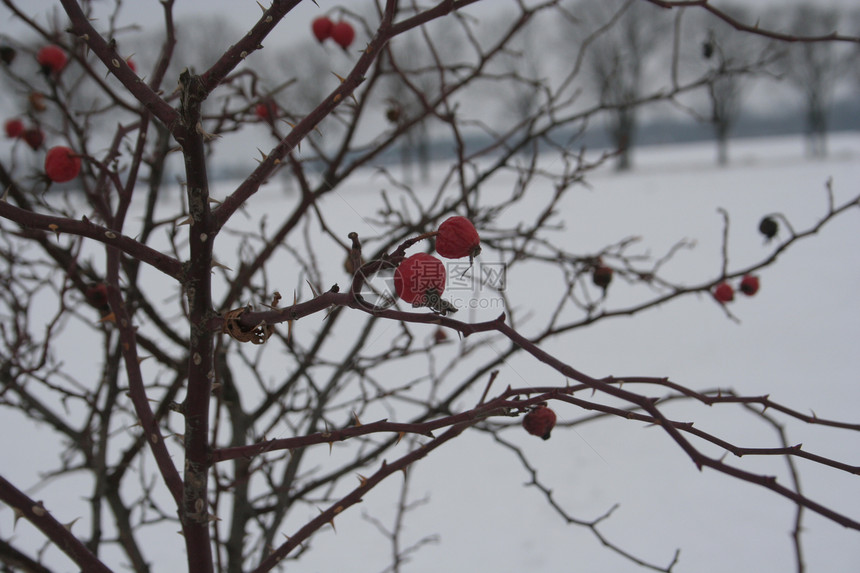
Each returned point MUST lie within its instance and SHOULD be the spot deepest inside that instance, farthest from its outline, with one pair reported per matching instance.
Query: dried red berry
(52, 59)
(321, 27)
(266, 110)
(343, 34)
(601, 276)
(724, 293)
(34, 137)
(457, 238)
(539, 422)
(419, 278)
(439, 336)
(749, 285)
(14, 128)
(131, 65)
(62, 164)
(97, 294)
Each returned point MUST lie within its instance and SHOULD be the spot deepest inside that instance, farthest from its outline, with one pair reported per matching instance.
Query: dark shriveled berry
(768, 227)
(7, 54)
(34, 137)
(601, 276)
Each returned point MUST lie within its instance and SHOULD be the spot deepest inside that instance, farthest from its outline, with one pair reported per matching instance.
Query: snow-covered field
(795, 340)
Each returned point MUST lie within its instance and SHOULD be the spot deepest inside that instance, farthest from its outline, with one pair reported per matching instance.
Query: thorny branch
(91, 264)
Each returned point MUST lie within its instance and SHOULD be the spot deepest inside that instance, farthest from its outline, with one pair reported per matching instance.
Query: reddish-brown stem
(85, 228)
(136, 385)
(197, 285)
(59, 534)
(83, 29)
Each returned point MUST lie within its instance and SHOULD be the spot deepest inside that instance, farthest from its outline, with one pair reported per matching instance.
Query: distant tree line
(652, 50)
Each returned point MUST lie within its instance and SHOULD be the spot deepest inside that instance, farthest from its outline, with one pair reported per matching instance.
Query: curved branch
(58, 533)
(86, 228)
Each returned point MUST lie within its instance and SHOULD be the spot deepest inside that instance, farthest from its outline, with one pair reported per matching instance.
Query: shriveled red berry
(439, 336)
(14, 128)
(343, 34)
(419, 278)
(97, 294)
(458, 238)
(266, 110)
(539, 422)
(62, 164)
(601, 276)
(749, 285)
(52, 58)
(321, 27)
(131, 64)
(724, 293)
(34, 137)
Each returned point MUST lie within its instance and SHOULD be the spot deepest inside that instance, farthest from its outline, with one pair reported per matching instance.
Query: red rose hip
(458, 238)
(52, 59)
(749, 285)
(724, 293)
(540, 422)
(343, 34)
(419, 277)
(14, 128)
(321, 27)
(62, 164)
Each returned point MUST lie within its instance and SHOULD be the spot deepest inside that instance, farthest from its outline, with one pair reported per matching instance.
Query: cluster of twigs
(121, 263)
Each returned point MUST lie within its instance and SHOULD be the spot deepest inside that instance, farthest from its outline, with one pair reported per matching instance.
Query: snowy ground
(796, 340)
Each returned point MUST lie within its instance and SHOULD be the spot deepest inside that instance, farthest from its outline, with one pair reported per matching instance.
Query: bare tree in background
(622, 37)
(814, 69)
(405, 102)
(230, 363)
(734, 58)
(526, 67)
